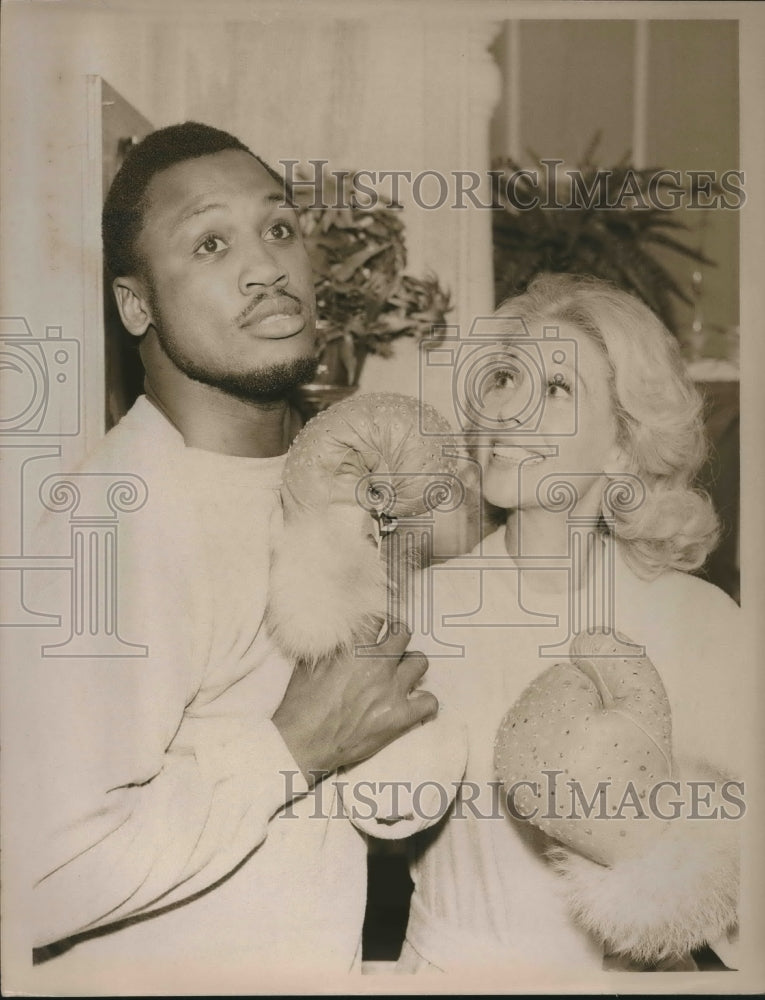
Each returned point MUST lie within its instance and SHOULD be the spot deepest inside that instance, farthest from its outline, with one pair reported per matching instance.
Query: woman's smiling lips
(514, 454)
(275, 317)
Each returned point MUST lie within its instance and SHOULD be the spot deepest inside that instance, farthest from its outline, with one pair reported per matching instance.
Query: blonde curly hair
(659, 413)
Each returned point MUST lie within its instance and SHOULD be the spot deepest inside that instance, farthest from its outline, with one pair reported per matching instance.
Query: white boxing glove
(647, 888)
(331, 582)
(602, 723)
(357, 460)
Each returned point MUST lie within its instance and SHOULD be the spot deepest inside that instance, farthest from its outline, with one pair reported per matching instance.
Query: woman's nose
(507, 412)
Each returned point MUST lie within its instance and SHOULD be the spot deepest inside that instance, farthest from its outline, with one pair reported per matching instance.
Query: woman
(602, 528)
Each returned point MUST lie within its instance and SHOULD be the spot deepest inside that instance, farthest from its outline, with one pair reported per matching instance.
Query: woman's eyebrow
(514, 354)
(569, 367)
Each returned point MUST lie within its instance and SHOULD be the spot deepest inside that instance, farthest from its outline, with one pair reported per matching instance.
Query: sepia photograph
(381, 541)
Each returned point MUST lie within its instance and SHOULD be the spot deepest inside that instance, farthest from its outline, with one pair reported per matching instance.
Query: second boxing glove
(583, 746)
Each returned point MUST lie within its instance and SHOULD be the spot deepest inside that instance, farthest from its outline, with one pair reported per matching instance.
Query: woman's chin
(510, 495)
(505, 497)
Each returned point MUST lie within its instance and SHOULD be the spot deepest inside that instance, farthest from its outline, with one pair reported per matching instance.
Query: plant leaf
(344, 271)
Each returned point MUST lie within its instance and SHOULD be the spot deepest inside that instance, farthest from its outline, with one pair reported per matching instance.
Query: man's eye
(210, 245)
(280, 231)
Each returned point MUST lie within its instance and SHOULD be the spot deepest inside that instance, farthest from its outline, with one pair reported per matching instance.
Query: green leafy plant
(615, 243)
(365, 300)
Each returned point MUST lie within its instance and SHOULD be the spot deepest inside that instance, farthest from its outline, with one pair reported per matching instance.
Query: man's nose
(261, 269)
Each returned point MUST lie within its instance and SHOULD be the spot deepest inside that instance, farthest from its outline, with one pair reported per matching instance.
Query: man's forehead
(217, 178)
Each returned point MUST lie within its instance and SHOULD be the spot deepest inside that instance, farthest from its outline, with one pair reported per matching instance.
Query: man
(175, 835)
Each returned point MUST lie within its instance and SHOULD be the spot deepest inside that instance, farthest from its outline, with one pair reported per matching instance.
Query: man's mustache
(263, 297)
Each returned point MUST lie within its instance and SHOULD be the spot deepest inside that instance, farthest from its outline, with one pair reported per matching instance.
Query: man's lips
(279, 314)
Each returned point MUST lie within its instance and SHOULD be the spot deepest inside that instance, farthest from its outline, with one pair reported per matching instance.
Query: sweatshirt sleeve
(152, 842)
(143, 792)
(410, 784)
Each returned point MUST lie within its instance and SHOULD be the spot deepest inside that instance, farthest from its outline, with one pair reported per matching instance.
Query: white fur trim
(327, 584)
(681, 894)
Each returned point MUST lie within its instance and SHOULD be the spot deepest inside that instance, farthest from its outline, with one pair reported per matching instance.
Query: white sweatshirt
(159, 784)
(486, 900)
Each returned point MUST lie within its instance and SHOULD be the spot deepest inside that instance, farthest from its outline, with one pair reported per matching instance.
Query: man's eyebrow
(207, 206)
(282, 198)
(272, 198)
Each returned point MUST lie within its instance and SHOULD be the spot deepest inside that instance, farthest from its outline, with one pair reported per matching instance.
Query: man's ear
(133, 305)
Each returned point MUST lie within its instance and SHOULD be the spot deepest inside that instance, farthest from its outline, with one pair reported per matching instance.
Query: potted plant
(365, 298)
(618, 243)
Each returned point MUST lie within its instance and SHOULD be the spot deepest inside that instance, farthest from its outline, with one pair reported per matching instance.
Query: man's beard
(257, 385)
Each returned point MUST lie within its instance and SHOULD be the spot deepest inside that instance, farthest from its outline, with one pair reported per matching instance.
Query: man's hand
(345, 709)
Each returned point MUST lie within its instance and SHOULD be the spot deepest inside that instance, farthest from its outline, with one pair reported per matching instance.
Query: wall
(664, 91)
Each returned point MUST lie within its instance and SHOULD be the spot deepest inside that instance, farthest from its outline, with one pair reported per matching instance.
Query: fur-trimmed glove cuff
(361, 461)
(328, 584)
(681, 894)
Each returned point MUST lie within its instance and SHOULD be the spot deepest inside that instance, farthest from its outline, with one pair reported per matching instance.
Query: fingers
(412, 669)
(396, 640)
(419, 707)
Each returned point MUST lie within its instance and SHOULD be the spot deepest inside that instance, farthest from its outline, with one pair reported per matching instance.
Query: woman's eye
(280, 231)
(558, 386)
(210, 245)
(505, 378)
